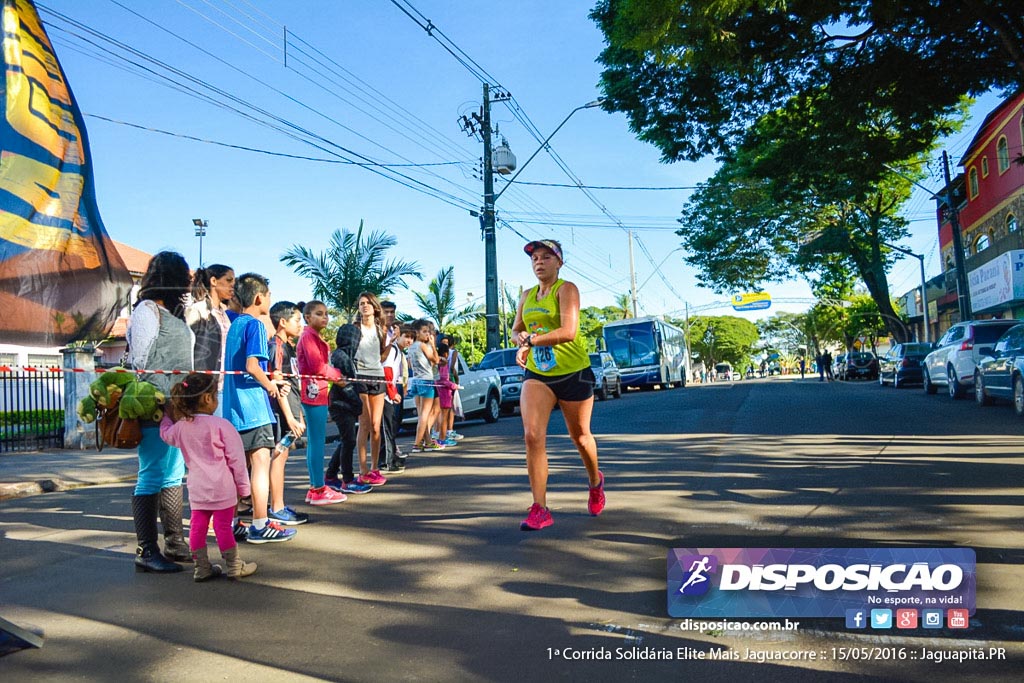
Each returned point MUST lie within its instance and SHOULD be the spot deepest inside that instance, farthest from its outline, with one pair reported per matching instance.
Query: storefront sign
(997, 282)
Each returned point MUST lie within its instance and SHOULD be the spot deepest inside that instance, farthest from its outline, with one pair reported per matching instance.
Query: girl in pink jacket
(217, 477)
(314, 358)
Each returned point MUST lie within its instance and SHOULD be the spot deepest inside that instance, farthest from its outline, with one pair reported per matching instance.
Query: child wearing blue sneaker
(247, 399)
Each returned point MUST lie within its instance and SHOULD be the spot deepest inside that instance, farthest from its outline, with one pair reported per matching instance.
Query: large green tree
(352, 263)
(722, 338)
(693, 76)
(775, 207)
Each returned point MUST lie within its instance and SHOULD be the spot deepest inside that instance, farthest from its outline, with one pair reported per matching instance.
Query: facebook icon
(855, 618)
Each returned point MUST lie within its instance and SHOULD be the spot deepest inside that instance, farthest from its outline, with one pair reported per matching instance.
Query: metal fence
(31, 410)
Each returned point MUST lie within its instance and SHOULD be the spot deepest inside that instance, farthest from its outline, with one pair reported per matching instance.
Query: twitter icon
(881, 618)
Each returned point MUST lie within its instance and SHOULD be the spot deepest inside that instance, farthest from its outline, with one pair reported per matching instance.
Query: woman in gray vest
(159, 339)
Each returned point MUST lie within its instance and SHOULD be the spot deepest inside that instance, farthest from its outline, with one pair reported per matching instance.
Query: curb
(23, 489)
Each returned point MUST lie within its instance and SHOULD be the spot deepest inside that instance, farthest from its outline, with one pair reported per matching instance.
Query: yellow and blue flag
(61, 279)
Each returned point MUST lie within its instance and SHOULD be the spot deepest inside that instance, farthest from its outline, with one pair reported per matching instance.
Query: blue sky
(373, 82)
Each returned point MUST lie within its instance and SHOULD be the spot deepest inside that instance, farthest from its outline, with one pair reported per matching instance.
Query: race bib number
(544, 358)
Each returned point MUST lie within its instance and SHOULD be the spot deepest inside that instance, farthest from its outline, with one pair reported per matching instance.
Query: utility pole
(963, 291)
(504, 321)
(632, 273)
(490, 243)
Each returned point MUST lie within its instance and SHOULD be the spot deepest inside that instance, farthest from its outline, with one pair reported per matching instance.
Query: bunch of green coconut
(134, 398)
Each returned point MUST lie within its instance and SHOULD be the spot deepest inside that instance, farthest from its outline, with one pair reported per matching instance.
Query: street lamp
(487, 219)
(200, 233)
(924, 287)
(589, 105)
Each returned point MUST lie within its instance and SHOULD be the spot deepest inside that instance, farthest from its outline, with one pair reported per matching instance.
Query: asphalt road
(430, 579)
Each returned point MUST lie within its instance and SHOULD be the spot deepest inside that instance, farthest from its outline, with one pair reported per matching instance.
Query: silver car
(956, 355)
(606, 372)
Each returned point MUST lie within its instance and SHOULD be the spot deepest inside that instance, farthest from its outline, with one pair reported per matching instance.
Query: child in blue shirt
(247, 399)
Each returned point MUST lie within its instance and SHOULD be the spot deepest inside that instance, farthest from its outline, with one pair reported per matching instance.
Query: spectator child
(287, 321)
(393, 461)
(247, 399)
(445, 391)
(216, 472)
(313, 357)
(422, 361)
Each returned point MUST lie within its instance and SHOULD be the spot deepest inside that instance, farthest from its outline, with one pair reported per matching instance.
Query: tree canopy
(693, 76)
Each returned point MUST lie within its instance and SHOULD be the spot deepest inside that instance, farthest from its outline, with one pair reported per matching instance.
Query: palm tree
(624, 306)
(350, 265)
(438, 303)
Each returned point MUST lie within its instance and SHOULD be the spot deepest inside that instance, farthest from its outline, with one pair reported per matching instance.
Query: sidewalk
(27, 474)
(34, 472)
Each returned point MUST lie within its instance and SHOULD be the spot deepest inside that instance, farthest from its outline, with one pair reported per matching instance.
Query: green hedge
(30, 422)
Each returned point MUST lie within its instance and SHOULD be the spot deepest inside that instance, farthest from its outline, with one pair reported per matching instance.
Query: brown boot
(236, 567)
(204, 571)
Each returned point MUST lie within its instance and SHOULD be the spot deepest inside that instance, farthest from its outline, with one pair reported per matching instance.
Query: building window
(984, 167)
(972, 182)
(44, 361)
(1003, 154)
(8, 359)
(1011, 224)
(981, 244)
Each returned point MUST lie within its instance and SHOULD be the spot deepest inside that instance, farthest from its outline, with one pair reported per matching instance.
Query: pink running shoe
(538, 518)
(596, 502)
(373, 478)
(325, 495)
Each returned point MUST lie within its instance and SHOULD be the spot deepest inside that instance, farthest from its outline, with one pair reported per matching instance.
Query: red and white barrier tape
(54, 369)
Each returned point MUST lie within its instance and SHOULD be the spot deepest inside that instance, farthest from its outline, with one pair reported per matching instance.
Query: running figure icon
(697, 570)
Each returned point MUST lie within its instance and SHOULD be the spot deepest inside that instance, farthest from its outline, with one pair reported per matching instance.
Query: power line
(263, 151)
(395, 176)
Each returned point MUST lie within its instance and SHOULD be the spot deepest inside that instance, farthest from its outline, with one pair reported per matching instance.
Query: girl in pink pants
(216, 471)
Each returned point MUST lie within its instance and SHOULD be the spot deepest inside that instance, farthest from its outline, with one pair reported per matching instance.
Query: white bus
(648, 351)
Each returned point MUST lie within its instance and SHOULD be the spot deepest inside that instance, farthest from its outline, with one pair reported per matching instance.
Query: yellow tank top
(542, 315)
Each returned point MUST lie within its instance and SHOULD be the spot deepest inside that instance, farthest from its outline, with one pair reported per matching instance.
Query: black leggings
(342, 457)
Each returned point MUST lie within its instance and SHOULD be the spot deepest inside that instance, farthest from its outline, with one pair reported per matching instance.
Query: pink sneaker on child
(373, 478)
(325, 495)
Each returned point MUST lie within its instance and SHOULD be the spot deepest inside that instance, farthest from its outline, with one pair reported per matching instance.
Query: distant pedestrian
(217, 477)
(554, 355)
(422, 356)
(826, 360)
(803, 366)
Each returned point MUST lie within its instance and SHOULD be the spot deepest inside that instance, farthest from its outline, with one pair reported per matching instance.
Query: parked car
(480, 394)
(956, 355)
(504, 362)
(839, 365)
(606, 372)
(859, 365)
(1000, 373)
(903, 364)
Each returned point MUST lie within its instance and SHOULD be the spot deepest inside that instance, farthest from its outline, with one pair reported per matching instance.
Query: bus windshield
(632, 345)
